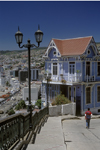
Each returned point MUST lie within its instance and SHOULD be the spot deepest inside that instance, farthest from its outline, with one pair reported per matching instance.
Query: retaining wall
(62, 109)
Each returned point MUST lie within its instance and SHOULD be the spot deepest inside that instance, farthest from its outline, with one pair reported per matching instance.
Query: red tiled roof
(76, 46)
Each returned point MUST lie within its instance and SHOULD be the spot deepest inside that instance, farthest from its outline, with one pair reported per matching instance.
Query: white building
(35, 74)
(2, 80)
(14, 83)
(34, 94)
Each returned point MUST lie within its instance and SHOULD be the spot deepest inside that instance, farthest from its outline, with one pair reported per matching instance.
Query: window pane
(98, 94)
(98, 68)
(88, 95)
(72, 68)
(54, 68)
(88, 68)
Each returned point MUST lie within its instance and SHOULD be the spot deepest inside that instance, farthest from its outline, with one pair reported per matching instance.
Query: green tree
(11, 112)
(20, 105)
(7, 83)
(38, 103)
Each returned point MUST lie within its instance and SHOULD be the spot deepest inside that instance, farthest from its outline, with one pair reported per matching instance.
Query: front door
(78, 105)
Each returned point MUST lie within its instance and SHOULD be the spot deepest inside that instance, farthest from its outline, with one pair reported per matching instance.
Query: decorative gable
(91, 50)
(52, 47)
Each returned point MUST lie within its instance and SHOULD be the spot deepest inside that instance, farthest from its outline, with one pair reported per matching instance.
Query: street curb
(69, 118)
(79, 118)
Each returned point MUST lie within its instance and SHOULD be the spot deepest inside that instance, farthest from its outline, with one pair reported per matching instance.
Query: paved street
(77, 137)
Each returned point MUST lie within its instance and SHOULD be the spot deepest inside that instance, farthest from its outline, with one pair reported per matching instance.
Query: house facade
(74, 65)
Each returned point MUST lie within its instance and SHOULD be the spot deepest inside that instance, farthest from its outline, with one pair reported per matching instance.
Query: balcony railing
(14, 128)
(89, 78)
(68, 78)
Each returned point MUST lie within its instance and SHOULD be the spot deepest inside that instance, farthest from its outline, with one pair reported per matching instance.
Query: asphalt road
(77, 137)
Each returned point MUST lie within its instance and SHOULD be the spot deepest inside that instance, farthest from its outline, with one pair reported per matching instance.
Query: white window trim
(57, 68)
(69, 67)
(90, 95)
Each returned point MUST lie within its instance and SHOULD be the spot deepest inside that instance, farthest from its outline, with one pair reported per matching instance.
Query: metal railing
(68, 78)
(15, 127)
(89, 78)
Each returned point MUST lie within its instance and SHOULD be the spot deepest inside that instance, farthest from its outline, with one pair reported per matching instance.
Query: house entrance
(78, 105)
(64, 89)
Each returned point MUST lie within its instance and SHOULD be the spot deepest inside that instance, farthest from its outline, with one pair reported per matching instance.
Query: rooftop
(76, 46)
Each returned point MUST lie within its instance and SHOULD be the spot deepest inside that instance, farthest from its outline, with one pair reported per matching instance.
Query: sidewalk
(50, 136)
(59, 135)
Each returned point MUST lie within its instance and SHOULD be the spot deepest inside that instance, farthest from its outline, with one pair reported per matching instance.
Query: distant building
(34, 94)
(2, 79)
(2, 76)
(14, 83)
(15, 72)
(23, 74)
(1, 69)
(35, 74)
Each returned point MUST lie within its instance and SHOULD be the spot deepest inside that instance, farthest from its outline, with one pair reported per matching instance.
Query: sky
(57, 19)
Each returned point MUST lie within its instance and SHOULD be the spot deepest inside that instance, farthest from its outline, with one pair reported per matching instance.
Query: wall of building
(34, 94)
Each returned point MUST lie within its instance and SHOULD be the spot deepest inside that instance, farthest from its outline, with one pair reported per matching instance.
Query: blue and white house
(76, 62)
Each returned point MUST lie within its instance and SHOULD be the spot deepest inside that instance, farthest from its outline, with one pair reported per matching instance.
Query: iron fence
(15, 127)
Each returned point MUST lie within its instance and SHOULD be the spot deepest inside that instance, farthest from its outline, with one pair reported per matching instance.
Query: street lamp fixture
(19, 38)
(47, 77)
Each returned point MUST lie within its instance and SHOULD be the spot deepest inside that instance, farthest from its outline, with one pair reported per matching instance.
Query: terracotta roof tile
(76, 46)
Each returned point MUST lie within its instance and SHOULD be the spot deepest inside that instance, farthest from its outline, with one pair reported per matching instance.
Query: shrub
(63, 81)
(20, 105)
(11, 112)
(38, 103)
(49, 80)
(60, 99)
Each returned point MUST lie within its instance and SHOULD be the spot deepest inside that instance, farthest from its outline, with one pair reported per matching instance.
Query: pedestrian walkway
(77, 137)
(68, 133)
(50, 137)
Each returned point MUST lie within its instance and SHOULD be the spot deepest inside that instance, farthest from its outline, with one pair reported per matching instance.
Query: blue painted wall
(78, 90)
(97, 104)
(51, 53)
(91, 53)
(78, 66)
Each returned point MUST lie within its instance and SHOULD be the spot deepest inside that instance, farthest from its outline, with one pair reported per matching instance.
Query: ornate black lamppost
(47, 77)
(19, 38)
